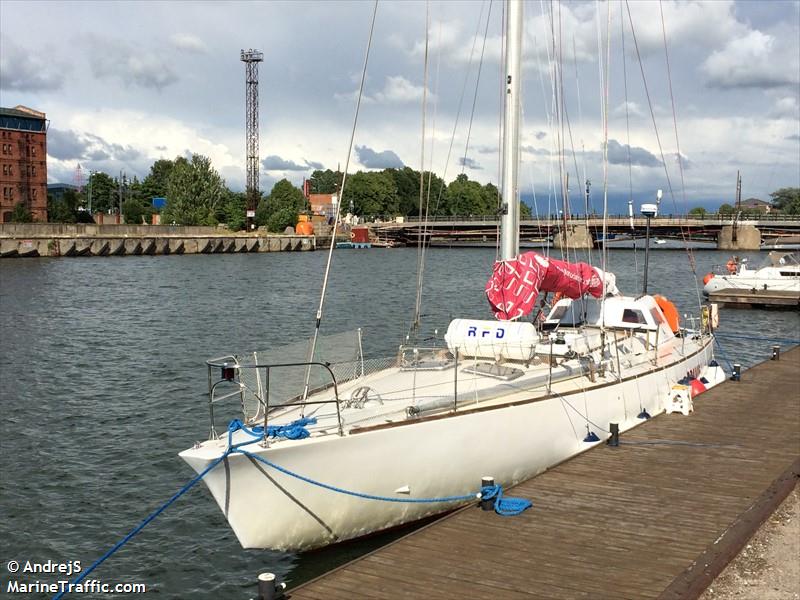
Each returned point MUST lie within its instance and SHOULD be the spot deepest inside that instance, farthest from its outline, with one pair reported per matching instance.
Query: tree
(134, 212)
(465, 197)
(63, 210)
(232, 210)
(726, 209)
(194, 192)
(21, 214)
(787, 200)
(370, 194)
(280, 209)
(698, 211)
(325, 182)
(103, 190)
(155, 184)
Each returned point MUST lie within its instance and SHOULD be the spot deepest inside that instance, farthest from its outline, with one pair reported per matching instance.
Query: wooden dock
(738, 298)
(657, 517)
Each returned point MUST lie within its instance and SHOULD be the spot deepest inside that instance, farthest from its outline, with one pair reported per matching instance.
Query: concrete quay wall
(54, 239)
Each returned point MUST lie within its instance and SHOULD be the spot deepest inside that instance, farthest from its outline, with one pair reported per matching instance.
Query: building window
(5, 169)
(33, 151)
(35, 193)
(33, 170)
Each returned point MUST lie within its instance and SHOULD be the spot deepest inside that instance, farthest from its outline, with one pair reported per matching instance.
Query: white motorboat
(779, 272)
(376, 444)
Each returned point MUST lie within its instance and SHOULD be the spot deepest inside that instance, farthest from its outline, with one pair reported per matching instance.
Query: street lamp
(649, 211)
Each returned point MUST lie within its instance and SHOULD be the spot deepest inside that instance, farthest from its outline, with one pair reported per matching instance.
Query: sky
(126, 83)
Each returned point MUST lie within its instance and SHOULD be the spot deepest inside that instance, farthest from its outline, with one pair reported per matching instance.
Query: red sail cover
(515, 284)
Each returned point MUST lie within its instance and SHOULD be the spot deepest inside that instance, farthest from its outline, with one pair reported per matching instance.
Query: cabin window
(657, 316)
(789, 273)
(558, 313)
(631, 315)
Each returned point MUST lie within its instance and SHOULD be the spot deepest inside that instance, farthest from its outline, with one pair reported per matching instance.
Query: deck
(657, 517)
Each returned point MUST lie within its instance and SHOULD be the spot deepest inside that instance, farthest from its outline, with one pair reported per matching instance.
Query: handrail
(388, 220)
(230, 366)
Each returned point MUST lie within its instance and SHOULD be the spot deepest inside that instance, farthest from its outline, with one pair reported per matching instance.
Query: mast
(509, 221)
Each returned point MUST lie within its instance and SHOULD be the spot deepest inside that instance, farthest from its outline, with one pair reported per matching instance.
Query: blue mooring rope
(722, 353)
(503, 506)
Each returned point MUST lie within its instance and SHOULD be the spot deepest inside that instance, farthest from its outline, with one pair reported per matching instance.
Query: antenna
(251, 58)
(77, 178)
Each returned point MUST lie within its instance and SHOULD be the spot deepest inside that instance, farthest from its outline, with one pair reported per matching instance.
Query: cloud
(793, 138)
(470, 163)
(751, 61)
(785, 108)
(540, 135)
(399, 89)
(110, 59)
(378, 160)
(276, 163)
(71, 145)
(618, 155)
(486, 149)
(187, 42)
(317, 166)
(634, 110)
(29, 71)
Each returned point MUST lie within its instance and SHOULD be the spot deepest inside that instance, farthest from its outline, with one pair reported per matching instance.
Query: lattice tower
(251, 58)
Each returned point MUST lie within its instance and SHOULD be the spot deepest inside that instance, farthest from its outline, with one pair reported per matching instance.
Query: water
(103, 382)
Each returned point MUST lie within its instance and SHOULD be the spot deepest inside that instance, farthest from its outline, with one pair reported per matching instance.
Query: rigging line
(430, 173)
(584, 180)
(649, 101)
(658, 138)
(501, 114)
(562, 107)
(442, 186)
(425, 221)
(689, 252)
(628, 130)
(477, 83)
(421, 238)
(313, 346)
(604, 257)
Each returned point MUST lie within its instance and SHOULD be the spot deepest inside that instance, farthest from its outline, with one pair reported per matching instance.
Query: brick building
(23, 162)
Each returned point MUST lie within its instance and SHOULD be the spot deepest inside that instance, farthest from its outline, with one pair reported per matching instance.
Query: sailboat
(369, 449)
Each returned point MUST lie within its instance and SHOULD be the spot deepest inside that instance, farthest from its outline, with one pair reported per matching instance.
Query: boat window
(633, 316)
(790, 273)
(658, 317)
(557, 313)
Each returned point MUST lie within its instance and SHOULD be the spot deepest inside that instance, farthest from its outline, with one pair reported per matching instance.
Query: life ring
(352, 235)
(670, 312)
(708, 277)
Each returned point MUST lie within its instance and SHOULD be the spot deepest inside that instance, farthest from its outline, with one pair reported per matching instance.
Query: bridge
(728, 231)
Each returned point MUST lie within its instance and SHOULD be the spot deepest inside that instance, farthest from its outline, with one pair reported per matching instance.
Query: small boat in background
(779, 273)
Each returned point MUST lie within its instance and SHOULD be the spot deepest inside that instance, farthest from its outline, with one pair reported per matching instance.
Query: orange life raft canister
(670, 312)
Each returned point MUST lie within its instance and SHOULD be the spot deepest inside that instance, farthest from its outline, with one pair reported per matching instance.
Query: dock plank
(656, 517)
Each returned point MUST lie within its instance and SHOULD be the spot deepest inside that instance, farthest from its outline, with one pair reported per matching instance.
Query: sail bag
(515, 284)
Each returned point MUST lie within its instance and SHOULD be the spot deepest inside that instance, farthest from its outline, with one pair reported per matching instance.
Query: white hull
(739, 282)
(437, 456)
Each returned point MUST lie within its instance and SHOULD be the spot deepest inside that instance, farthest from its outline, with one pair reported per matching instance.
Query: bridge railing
(579, 218)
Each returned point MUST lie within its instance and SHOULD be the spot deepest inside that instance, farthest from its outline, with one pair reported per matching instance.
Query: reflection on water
(103, 382)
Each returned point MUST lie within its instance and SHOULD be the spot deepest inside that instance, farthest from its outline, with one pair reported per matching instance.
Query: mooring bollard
(776, 353)
(737, 372)
(269, 588)
(487, 504)
(613, 428)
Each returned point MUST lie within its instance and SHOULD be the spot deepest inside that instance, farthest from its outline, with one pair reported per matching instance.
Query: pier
(659, 516)
(748, 298)
(19, 240)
